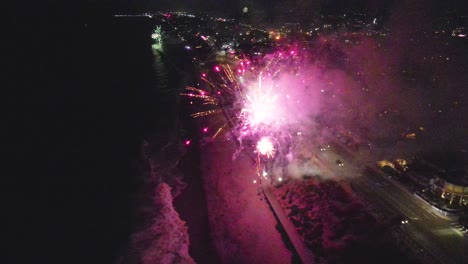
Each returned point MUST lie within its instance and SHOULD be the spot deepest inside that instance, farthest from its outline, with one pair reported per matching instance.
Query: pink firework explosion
(282, 95)
(265, 147)
(260, 105)
(267, 98)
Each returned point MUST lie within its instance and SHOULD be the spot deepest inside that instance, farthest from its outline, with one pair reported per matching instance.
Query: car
(398, 220)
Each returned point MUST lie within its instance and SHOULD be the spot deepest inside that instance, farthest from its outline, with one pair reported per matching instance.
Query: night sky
(233, 7)
(229, 8)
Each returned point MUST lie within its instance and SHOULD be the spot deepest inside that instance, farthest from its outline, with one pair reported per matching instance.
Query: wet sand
(191, 206)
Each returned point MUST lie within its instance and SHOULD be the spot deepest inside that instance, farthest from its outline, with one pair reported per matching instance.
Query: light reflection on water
(160, 67)
(170, 81)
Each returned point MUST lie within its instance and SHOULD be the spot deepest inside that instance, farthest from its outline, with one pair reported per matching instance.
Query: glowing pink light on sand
(265, 147)
(205, 129)
(187, 142)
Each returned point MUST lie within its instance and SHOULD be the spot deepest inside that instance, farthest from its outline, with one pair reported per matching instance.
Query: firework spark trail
(218, 131)
(223, 87)
(206, 113)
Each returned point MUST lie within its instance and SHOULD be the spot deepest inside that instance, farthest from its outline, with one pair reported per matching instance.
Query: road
(426, 230)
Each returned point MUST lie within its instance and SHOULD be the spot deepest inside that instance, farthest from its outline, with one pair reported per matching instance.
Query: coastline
(190, 202)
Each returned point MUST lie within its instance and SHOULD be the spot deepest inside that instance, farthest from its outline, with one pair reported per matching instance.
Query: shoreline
(190, 203)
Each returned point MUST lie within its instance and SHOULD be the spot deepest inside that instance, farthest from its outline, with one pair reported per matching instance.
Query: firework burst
(265, 147)
(261, 102)
(260, 105)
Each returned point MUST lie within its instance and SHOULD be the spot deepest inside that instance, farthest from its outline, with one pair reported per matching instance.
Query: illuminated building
(452, 181)
(453, 193)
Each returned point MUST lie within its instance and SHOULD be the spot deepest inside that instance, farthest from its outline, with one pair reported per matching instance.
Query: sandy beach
(242, 226)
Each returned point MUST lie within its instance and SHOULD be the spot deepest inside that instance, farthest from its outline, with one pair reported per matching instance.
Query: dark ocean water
(81, 97)
(191, 202)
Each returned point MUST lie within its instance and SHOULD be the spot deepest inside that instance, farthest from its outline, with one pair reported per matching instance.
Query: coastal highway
(427, 230)
(434, 234)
